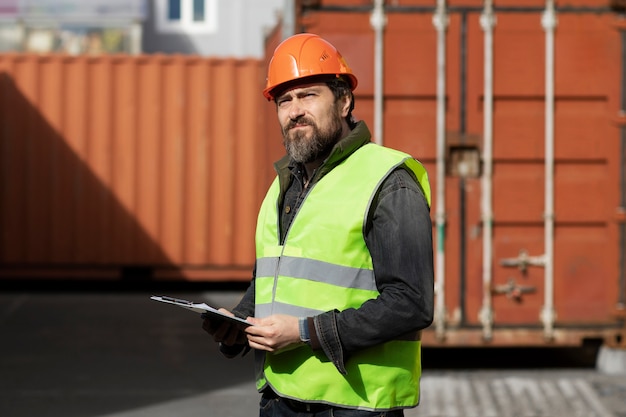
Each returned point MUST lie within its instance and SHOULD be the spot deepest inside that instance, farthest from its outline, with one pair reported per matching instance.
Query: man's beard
(304, 150)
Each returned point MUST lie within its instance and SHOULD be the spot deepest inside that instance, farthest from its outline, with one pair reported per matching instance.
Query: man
(343, 280)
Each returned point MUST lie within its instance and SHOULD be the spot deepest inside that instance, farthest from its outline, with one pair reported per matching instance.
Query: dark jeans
(277, 407)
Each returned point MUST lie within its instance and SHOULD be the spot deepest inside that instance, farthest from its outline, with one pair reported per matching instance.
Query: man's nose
(296, 109)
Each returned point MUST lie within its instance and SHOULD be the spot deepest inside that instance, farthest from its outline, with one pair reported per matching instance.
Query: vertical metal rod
(549, 23)
(487, 22)
(621, 302)
(462, 181)
(440, 21)
(378, 21)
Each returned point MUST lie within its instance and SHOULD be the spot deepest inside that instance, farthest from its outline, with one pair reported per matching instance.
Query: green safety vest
(323, 265)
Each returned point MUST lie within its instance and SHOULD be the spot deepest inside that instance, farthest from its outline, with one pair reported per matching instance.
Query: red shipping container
(541, 273)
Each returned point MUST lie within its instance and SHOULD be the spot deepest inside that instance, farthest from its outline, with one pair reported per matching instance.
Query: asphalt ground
(116, 353)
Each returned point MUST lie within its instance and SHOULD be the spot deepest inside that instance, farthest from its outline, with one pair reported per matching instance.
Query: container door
(543, 271)
(553, 266)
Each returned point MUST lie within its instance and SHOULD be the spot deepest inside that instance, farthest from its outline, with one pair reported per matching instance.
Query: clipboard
(201, 308)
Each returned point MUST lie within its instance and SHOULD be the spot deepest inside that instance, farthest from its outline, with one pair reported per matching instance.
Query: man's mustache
(301, 121)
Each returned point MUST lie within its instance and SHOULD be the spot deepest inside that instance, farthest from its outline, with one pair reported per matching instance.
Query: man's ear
(346, 103)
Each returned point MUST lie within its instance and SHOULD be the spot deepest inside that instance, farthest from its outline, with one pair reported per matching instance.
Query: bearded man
(343, 279)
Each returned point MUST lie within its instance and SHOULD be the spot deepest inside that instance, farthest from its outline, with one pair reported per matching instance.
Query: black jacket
(398, 235)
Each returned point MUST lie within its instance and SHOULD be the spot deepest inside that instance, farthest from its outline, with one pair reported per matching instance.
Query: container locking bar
(523, 261)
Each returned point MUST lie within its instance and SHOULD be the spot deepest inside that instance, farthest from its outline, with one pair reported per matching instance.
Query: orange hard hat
(301, 56)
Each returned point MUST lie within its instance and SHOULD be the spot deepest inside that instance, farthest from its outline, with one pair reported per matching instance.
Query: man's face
(310, 120)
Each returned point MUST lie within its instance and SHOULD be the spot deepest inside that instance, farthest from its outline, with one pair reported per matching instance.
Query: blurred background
(135, 149)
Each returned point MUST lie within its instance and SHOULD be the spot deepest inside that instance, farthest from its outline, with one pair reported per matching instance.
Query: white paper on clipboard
(201, 308)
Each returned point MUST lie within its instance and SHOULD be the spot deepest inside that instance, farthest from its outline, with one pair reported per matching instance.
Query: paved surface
(110, 354)
(531, 394)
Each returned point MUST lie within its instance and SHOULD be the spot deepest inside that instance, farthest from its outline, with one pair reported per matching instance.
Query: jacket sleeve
(244, 309)
(399, 238)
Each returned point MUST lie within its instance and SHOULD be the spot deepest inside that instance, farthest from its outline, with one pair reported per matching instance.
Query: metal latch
(513, 290)
(523, 261)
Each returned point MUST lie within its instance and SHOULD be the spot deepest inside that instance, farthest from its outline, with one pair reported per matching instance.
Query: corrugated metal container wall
(505, 286)
(118, 166)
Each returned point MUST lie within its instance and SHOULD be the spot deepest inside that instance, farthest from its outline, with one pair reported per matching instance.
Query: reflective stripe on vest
(325, 265)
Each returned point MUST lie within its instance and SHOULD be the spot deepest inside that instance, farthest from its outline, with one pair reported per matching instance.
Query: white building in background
(210, 27)
(218, 28)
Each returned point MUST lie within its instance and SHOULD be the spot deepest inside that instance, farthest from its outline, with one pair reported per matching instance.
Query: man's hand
(273, 333)
(224, 331)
